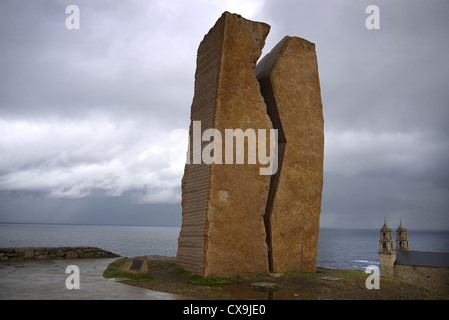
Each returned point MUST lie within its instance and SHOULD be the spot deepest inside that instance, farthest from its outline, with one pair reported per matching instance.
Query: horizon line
(179, 226)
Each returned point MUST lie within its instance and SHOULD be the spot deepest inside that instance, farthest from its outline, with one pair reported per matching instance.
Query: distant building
(425, 269)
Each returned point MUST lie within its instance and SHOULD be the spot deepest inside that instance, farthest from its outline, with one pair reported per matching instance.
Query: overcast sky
(93, 121)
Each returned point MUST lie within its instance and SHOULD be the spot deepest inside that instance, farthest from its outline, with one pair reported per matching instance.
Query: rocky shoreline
(50, 253)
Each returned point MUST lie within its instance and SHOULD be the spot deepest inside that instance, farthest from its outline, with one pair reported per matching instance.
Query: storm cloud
(93, 122)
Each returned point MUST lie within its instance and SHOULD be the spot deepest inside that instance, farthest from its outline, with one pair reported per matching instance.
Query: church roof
(424, 259)
(401, 227)
(385, 227)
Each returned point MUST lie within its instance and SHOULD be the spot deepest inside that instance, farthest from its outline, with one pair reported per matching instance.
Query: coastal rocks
(223, 231)
(71, 254)
(28, 253)
(48, 253)
(289, 81)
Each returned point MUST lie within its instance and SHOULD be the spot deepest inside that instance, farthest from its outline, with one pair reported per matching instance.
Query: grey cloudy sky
(93, 121)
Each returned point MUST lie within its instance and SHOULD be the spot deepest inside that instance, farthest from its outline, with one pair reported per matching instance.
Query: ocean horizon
(337, 248)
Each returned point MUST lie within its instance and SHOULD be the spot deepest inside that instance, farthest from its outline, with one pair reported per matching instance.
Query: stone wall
(432, 278)
(48, 253)
(387, 260)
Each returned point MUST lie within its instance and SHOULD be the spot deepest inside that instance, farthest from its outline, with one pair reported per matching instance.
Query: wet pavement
(46, 280)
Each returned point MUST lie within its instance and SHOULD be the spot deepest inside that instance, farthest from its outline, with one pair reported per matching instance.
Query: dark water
(126, 241)
(337, 248)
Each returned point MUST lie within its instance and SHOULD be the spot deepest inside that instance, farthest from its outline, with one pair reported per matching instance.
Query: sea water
(127, 241)
(337, 248)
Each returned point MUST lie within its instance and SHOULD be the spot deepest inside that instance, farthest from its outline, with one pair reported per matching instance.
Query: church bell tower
(402, 243)
(386, 240)
(387, 254)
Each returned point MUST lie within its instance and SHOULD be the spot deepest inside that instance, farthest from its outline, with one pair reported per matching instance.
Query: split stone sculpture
(236, 220)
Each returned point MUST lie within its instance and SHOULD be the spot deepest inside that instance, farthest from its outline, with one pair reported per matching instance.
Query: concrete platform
(46, 280)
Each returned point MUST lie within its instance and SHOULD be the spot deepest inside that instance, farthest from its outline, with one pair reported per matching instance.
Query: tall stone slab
(223, 205)
(289, 81)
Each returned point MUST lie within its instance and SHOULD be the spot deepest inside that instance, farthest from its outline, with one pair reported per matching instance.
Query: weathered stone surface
(86, 255)
(432, 278)
(18, 258)
(28, 253)
(223, 231)
(59, 252)
(289, 77)
(71, 255)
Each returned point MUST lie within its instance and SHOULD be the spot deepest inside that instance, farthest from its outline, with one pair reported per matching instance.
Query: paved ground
(46, 280)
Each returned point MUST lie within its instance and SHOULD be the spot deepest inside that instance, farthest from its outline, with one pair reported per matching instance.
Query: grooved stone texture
(290, 72)
(223, 231)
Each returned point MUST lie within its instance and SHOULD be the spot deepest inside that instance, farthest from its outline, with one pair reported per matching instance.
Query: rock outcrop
(50, 253)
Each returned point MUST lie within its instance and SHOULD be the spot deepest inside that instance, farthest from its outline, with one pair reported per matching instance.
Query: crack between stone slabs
(266, 90)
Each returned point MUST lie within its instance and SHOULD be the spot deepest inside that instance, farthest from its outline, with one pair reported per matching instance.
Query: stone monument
(289, 81)
(236, 220)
